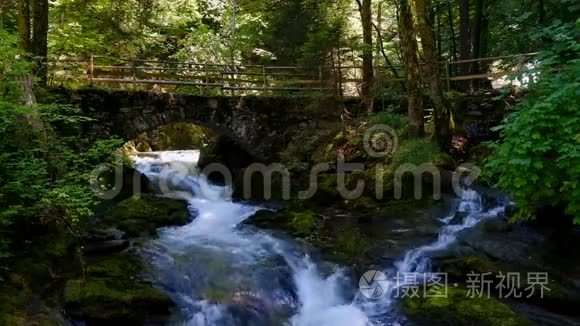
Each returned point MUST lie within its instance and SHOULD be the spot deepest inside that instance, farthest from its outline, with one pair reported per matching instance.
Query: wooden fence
(219, 78)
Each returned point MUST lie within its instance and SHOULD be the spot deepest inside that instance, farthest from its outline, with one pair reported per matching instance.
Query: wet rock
(143, 215)
(559, 296)
(456, 308)
(106, 247)
(111, 293)
(506, 242)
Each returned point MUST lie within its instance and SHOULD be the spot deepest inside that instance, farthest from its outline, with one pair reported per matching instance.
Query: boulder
(111, 293)
(144, 214)
(457, 308)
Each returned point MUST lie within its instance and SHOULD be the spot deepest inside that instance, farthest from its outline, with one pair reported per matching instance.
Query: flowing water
(221, 272)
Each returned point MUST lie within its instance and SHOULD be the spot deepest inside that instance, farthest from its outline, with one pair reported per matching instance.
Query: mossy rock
(458, 268)
(96, 300)
(421, 152)
(457, 308)
(327, 191)
(300, 222)
(304, 223)
(362, 204)
(559, 298)
(143, 215)
(112, 292)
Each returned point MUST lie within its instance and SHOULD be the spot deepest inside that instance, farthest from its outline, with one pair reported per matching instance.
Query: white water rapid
(221, 272)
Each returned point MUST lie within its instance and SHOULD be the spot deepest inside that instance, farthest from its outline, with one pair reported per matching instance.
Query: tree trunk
(477, 35)
(480, 30)
(2, 12)
(453, 45)
(411, 63)
(464, 41)
(441, 112)
(24, 24)
(40, 39)
(367, 26)
(541, 12)
(438, 35)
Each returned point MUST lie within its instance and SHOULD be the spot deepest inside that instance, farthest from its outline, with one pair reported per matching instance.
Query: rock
(458, 309)
(143, 215)
(106, 247)
(501, 241)
(112, 294)
(560, 296)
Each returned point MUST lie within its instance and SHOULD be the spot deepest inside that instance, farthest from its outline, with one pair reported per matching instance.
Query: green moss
(457, 308)
(96, 299)
(304, 223)
(117, 266)
(419, 152)
(458, 268)
(111, 291)
(145, 214)
(558, 298)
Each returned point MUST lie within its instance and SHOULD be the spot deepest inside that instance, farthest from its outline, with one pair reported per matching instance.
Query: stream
(219, 271)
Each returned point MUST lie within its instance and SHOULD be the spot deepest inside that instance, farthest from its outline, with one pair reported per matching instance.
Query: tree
(33, 35)
(423, 8)
(537, 159)
(411, 63)
(367, 54)
(464, 40)
(40, 39)
(24, 31)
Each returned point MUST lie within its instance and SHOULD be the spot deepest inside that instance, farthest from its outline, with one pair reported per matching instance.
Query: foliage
(538, 157)
(45, 175)
(12, 67)
(419, 152)
(393, 120)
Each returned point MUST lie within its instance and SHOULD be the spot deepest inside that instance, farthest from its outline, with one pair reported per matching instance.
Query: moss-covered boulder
(300, 222)
(112, 293)
(559, 296)
(457, 308)
(143, 215)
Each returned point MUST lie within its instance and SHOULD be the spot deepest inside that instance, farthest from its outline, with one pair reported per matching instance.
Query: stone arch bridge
(259, 125)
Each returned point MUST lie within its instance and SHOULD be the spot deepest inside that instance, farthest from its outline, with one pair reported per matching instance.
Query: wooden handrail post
(206, 76)
(264, 77)
(223, 82)
(320, 80)
(91, 68)
(447, 75)
(134, 72)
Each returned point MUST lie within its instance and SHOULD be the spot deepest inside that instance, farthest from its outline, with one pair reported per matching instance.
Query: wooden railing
(219, 78)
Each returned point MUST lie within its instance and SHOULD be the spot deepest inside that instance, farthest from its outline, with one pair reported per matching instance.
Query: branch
(382, 47)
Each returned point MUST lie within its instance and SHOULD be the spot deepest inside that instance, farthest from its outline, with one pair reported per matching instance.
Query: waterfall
(221, 272)
(259, 278)
(471, 211)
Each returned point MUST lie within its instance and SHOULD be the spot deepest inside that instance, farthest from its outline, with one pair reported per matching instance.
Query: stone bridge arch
(259, 125)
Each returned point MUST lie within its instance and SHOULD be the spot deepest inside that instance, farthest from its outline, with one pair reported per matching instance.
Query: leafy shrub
(419, 152)
(395, 121)
(45, 162)
(538, 158)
